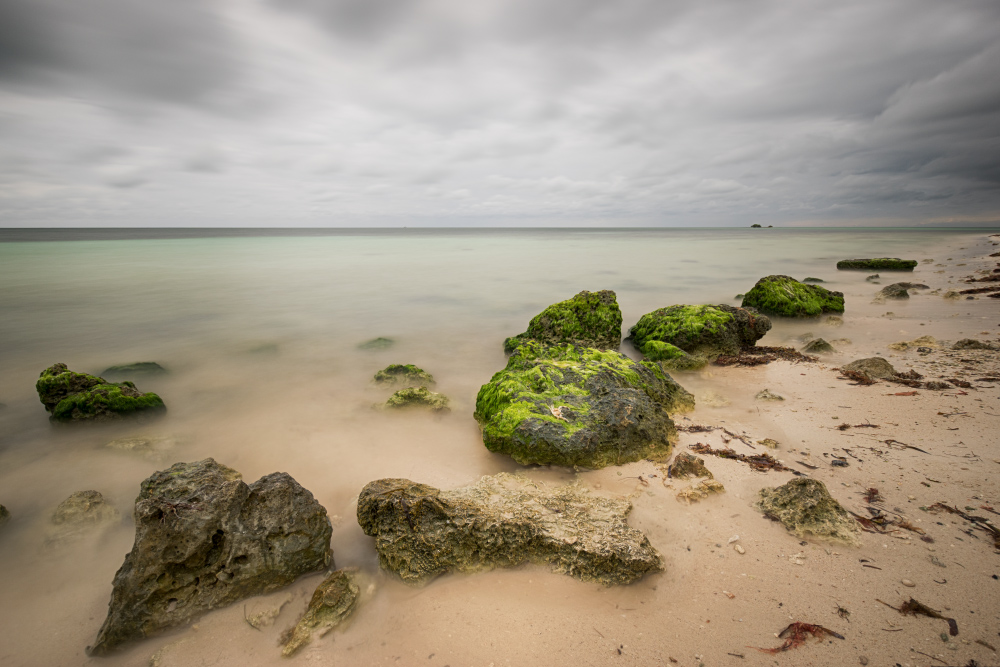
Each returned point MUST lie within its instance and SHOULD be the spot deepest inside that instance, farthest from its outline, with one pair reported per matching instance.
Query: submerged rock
(818, 346)
(952, 295)
(872, 277)
(204, 539)
(922, 341)
(138, 369)
(417, 397)
(408, 375)
(805, 507)
(81, 513)
(70, 396)
(833, 321)
(589, 319)
(574, 406)
(972, 344)
(878, 264)
(813, 280)
(502, 521)
(4, 515)
(876, 368)
(787, 297)
(705, 332)
(897, 291)
(377, 344)
(154, 448)
(688, 465)
(333, 602)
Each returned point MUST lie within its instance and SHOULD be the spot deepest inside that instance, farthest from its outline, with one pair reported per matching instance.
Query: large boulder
(701, 331)
(204, 539)
(806, 508)
(878, 264)
(589, 319)
(77, 397)
(575, 406)
(787, 297)
(502, 521)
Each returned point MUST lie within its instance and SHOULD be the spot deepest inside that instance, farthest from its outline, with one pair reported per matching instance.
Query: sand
(713, 605)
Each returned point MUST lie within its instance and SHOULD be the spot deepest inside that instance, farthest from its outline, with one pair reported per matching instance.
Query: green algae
(70, 396)
(675, 334)
(333, 602)
(786, 297)
(407, 374)
(878, 264)
(589, 319)
(417, 397)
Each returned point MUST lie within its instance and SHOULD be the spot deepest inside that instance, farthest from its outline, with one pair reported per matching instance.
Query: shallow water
(261, 335)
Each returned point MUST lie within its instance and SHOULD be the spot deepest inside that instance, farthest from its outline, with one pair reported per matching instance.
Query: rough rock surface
(703, 331)
(589, 319)
(204, 539)
(688, 465)
(333, 602)
(502, 521)
(818, 346)
(876, 368)
(573, 406)
(878, 264)
(787, 297)
(897, 291)
(70, 396)
(138, 369)
(805, 508)
(699, 491)
(417, 397)
(972, 344)
(4, 515)
(400, 374)
(85, 508)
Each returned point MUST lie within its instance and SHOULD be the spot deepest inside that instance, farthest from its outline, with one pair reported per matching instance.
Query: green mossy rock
(805, 508)
(878, 264)
(72, 397)
(138, 369)
(205, 539)
(502, 521)
(813, 280)
(876, 368)
(575, 406)
(333, 602)
(589, 319)
(377, 344)
(417, 397)
(818, 346)
(702, 331)
(408, 374)
(787, 297)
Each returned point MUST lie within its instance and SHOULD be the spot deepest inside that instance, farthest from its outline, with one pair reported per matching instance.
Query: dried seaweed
(960, 383)
(980, 522)
(845, 426)
(796, 634)
(699, 428)
(762, 354)
(979, 290)
(897, 443)
(915, 608)
(758, 462)
(917, 384)
(872, 495)
(858, 377)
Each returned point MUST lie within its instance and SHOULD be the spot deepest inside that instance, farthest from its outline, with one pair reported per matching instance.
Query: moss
(706, 331)
(786, 297)
(404, 374)
(71, 396)
(417, 397)
(589, 319)
(333, 602)
(805, 507)
(878, 264)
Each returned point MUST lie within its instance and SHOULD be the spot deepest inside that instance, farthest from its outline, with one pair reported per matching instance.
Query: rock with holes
(502, 521)
(807, 509)
(205, 539)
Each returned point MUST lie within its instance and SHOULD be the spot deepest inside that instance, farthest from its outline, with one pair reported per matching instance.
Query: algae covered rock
(205, 539)
(699, 491)
(688, 465)
(805, 507)
(377, 344)
(70, 397)
(333, 602)
(417, 397)
(876, 368)
(405, 374)
(972, 344)
(703, 331)
(787, 297)
(137, 369)
(878, 264)
(589, 319)
(502, 521)
(768, 395)
(818, 346)
(813, 280)
(568, 405)
(85, 508)
(154, 448)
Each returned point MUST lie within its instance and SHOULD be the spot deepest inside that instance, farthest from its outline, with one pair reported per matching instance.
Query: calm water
(260, 333)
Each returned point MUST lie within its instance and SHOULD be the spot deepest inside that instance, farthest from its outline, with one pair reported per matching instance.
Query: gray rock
(805, 508)
(818, 346)
(333, 602)
(203, 540)
(139, 369)
(897, 291)
(502, 521)
(972, 344)
(768, 395)
(875, 368)
(85, 508)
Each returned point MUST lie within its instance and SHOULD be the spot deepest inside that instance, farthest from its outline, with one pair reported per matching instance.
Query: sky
(632, 113)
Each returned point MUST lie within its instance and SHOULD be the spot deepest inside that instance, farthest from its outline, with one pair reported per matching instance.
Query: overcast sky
(498, 112)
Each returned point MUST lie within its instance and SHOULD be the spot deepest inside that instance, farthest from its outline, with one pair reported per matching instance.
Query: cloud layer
(498, 112)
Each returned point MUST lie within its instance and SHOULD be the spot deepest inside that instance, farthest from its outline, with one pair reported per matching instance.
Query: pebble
(907, 582)
(863, 660)
(739, 549)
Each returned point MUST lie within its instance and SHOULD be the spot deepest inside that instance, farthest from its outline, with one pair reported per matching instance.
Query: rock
(700, 491)
(502, 521)
(876, 368)
(818, 346)
(70, 396)
(770, 443)
(952, 294)
(417, 397)
(907, 583)
(703, 331)
(154, 448)
(688, 465)
(787, 297)
(834, 321)
(897, 291)
(925, 341)
(874, 276)
(4, 515)
(589, 319)
(755, 226)
(263, 619)
(739, 549)
(878, 264)
(710, 398)
(768, 395)
(377, 344)
(204, 539)
(841, 341)
(813, 280)
(332, 603)
(972, 344)
(408, 375)
(85, 508)
(574, 406)
(138, 369)
(805, 507)
(937, 386)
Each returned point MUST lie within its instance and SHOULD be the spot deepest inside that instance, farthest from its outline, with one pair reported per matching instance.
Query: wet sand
(711, 606)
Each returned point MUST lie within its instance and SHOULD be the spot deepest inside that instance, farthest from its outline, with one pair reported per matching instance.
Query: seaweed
(915, 608)
(858, 377)
(980, 522)
(796, 634)
(762, 354)
(758, 462)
